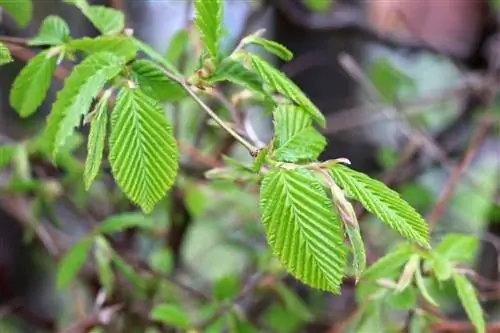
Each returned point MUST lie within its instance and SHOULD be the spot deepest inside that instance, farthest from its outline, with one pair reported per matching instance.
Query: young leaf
(457, 248)
(271, 46)
(124, 221)
(388, 264)
(441, 267)
(170, 314)
(143, 151)
(358, 249)
(20, 10)
(234, 72)
(208, 20)
(5, 56)
(108, 21)
(384, 202)
(302, 228)
(54, 31)
(154, 83)
(31, 85)
(97, 137)
(282, 84)
(162, 260)
(150, 52)
(470, 303)
(226, 287)
(120, 45)
(72, 262)
(296, 139)
(74, 100)
(6, 154)
(103, 255)
(260, 159)
(177, 46)
(419, 281)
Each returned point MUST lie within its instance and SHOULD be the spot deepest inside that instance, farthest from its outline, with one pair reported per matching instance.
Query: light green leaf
(358, 249)
(383, 202)
(154, 83)
(208, 20)
(441, 267)
(7, 152)
(234, 72)
(260, 159)
(457, 248)
(170, 314)
(103, 255)
(302, 228)
(178, 45)
(20, 10)
(54, 31)
(419, 280)
(388, 264)
(72, 262)
(226, 287)
(282, 84)
(143, 151)
(5, 56)
(295, 137)
(108, 21)
(97, 137)
(271, 46)
(120, 222)
(150, 52)
(403, 300)
(162, 260)
(470, 302)
(318, 5)
(80, 88)
(31, 85)
(121, 46)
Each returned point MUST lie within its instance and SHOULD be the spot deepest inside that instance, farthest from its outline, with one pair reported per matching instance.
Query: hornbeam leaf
(74, 100)
(120, 45)
(282, 84)
(383, 202)
(143, 151)
(54, 31)
(233, 71)
(208, 20)
(20, 10)
(32, 83)
(5, 56)
(271, 46)
(302, 228)
(470, 302)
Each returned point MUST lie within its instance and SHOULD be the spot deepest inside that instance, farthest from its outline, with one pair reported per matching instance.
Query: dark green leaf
(54, 31)
(170, 314)
(470, 302)
(72, 262)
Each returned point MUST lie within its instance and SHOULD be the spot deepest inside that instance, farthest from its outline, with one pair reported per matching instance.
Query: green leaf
(170, 314)
(470, 302)
(74, 100)
(441, 267)
(388, 264)
(124, 221)
(293, 302)
(383, 202)
(121, 46)
(7, 152)
(419, 280)
(457, 248)
(296, 139)
(234, 72)
(178, 45)
(271, 46)
(108, 21)
(162, 260)
(72, 262)
(318, 5)
(54, 31)
(150, 52)
(5, 56)
(358, 249)
(226, 287)
(208, 20)
(403, 300)
(97, 137)
(154, 83)
(260, 159)
(103, 255)
(282, 84)
(143, 151)
(20, 10)
(31, 85)
(302, 228)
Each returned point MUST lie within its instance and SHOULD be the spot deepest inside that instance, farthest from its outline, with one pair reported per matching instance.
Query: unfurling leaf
(74, 100)
(358, 249)
(54, 31)
(271, 46)
(32, 83)
(170, 314)
(282, 84)
(5, 56)
(296, 139)
(383, 202)
(302, 228)
(208, 20)
(408, 272)
(20, 10)
(234, 72)
(143, 151)
(154, 83)
(389, 264)
(470, 302)
(419, 281)
(97, 137)
(120, 45)
(108, 21)
(457, 248)
(72, 262)
(178, 45)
